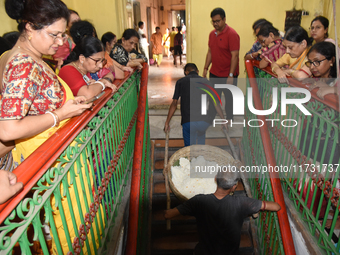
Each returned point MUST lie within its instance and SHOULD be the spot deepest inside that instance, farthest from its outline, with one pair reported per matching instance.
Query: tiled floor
(161, 86)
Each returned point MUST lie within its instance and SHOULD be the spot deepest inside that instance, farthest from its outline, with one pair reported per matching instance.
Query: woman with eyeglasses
(253, 53)
(271, 41)
(292, 63)
(83, 70)
(34, 102)
(322, 64)
(109, 40)
(126, 53)
(68, 46)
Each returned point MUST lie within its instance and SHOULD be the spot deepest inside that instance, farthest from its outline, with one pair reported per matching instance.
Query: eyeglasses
(316, 63)
(215, 21)
(102, 60)
(263, 40)
(62, 37)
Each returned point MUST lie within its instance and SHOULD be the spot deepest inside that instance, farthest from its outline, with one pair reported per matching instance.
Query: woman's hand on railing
(324, 88)
(72, 108)
(109, 85)
(127, 68)
(317, 84)
(282, 76)
(8, 185)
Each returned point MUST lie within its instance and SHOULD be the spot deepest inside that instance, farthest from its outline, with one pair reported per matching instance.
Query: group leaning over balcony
(35, 101)
(310, 59)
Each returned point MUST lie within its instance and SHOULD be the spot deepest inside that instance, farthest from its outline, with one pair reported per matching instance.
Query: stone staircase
(183, 236)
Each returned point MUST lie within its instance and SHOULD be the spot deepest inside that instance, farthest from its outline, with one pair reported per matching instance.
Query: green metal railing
(310, 152)
(143, 221)
(78, 196)
(267, 224)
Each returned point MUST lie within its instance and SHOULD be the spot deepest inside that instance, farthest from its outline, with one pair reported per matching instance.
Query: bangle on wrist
(55, 118)
(273, 69)
(206, 68)
(108, 79)
(251, 55)
(101, 83)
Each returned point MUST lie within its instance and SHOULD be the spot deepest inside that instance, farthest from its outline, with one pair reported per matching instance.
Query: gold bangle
(273, 69)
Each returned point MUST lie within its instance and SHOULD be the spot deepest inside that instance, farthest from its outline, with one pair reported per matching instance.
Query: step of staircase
(182, 238)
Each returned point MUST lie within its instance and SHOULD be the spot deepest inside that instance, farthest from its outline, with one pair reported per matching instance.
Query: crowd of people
(293, 54)
(167, 44)
(37, 100)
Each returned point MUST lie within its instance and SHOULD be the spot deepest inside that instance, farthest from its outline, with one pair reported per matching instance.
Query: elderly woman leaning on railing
(297, 44)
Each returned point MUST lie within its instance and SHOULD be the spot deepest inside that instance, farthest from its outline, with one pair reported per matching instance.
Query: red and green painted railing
(137, 238)
(74, 183)
(311, 153)
(273, 230)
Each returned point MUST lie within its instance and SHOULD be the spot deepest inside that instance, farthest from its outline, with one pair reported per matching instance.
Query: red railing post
(286, 234)
(136, 167)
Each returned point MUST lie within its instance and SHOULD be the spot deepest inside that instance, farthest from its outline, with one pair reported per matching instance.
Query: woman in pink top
(271, 41)
(67, 47)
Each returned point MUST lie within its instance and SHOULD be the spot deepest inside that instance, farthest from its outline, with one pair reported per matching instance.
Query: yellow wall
(106, 15)
(102, 14)
(7, 24)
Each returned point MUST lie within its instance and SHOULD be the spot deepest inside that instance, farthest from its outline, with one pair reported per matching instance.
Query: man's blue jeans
(194, 132)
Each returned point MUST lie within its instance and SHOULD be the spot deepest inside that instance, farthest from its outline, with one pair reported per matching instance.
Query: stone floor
(161, 86)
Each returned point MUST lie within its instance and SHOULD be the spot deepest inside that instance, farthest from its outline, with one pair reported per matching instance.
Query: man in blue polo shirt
(223, 55)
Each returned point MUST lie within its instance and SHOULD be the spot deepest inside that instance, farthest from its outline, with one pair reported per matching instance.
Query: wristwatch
(231, 75)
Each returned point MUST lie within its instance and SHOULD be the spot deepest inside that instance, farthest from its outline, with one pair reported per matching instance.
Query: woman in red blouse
(322, 64)
(84, 71)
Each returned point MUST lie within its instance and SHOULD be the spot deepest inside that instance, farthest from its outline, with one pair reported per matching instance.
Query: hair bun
(310, 41)
(15, 8)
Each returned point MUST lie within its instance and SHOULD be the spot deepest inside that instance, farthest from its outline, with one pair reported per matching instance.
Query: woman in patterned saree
(34, 101)
(297, 45)
(271, 41)
(126, 53)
